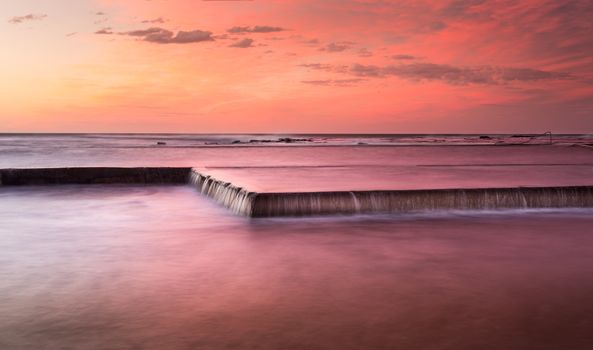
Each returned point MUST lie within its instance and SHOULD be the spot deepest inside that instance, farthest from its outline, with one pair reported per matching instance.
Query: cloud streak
(163, 36)
(404, 57)
(242, 44)
(104, 31)
(255, 29)
(453, 75)
(159, 20)
(326, 67)
(334, 82)
(485, 75)
(337, 47)
(27, 18)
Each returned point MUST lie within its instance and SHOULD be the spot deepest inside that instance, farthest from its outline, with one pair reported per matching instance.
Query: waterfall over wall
(317, 203)
(253, 204)
(235, 198)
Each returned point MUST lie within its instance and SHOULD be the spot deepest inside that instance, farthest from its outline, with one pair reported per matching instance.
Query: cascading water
(235, 198)
(316, 203)
(248, 203)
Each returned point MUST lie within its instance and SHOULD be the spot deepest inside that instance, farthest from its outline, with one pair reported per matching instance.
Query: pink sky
(358, 66)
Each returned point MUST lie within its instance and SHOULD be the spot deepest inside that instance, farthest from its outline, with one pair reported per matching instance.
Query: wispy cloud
(337, 47)
(163, 36)
(311, 42)
(325, 67)
(243, 43)
(105, 31)
(453, 75)
(404, 57)
(333, 82)
(364, 52)
(457, 75)
(27, 18)
(154, 20)
(459, 8)
(255, 29)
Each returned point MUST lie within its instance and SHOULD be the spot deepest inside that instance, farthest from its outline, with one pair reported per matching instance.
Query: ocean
(162, 267)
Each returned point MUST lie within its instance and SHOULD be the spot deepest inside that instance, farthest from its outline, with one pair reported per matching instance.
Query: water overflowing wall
(249, 203)
(317, 203)
(238, 199)
(254, 204)
(102, 175)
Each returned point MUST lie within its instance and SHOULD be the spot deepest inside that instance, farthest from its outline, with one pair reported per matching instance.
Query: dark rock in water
(253, 141)
(485, 137)
(291, 140)
(362, 143)
(236, 142)
(161, 143)
(520, 135)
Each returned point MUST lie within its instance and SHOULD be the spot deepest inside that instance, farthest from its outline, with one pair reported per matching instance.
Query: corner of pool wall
(253, 204)
(237, 199)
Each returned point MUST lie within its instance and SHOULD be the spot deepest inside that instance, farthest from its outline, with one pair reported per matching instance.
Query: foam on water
(235, 198)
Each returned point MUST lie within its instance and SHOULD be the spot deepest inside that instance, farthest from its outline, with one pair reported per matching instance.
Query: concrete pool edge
(93, 175)
(406, 201)
(266, 204)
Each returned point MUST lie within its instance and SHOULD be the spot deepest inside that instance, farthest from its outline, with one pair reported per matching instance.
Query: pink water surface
(133, 267)
(126, 267)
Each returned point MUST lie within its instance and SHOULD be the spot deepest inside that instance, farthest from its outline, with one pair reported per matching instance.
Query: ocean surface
(60, 150)
(221, 140)
(161, 267)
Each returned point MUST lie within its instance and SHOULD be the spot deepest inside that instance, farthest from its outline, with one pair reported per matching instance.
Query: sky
(299, 66)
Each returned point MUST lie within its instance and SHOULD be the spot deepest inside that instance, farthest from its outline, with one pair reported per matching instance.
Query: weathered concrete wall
(318, 203)
(253, 204)
(61, 176)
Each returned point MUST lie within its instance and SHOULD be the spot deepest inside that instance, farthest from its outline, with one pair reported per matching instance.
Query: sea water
(162, 267)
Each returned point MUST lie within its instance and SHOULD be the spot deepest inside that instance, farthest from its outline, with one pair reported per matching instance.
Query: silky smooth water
(110, 267)
(133, 267)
